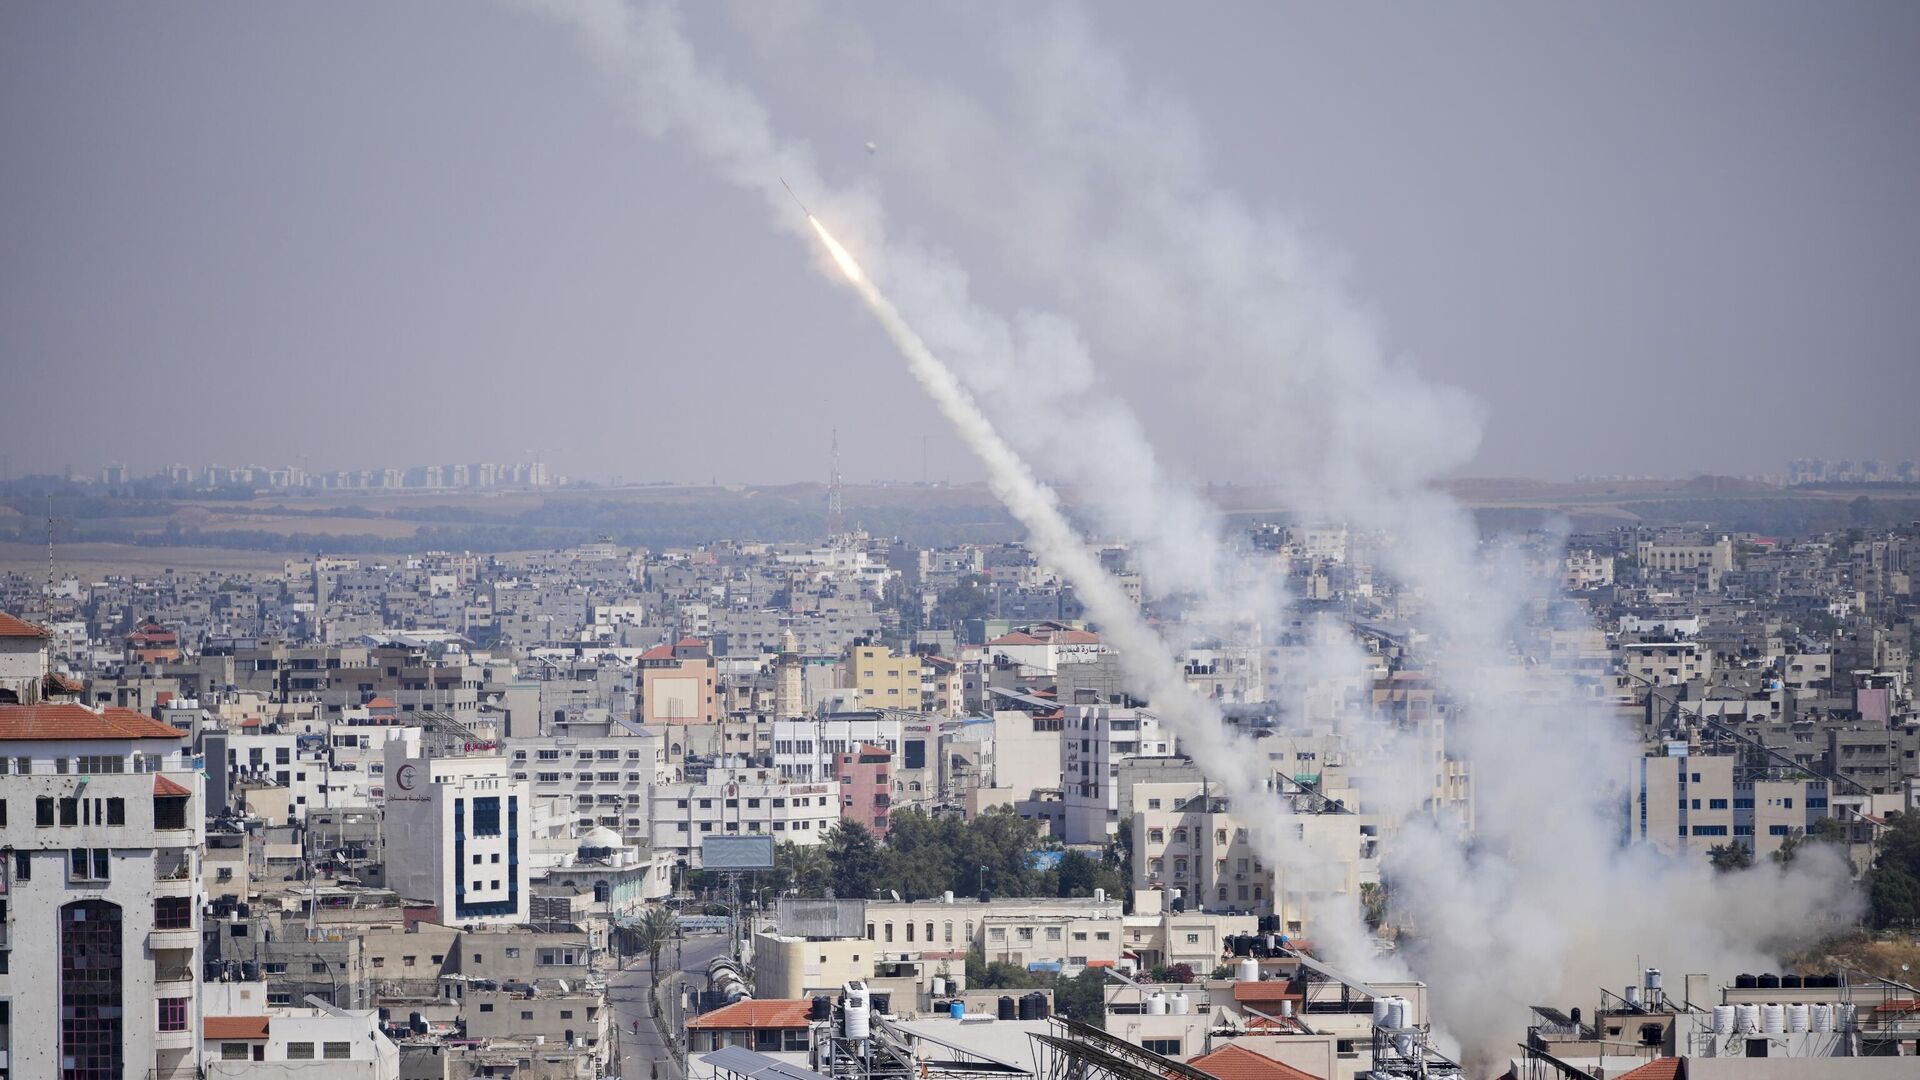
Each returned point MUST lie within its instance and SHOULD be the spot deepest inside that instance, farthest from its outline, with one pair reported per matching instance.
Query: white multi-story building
(595, 782)
(458, 833)
(102, 974)
(804, 749)
(739, 804)
(1093, 742)
(245, 1037)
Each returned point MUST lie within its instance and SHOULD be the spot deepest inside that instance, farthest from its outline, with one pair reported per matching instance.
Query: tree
(859, 866)
(1893, 887)
(1373, 899)
(1729, 857)
(1789, 848)
(651, 932)
(1083, 997)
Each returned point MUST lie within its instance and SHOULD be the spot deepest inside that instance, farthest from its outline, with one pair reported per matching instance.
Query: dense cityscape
(617, 539)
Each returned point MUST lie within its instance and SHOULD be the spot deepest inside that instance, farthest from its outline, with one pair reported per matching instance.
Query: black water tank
(985, 896)
(249, 971)
(1269, 924)
(1040, 1006)
(1026, 1008)
(1574, 1015)
(1179, 904)
(822, 1008)
(1744, 982)
(1769, 981)
(1006, 1008)
(1242, 945)
(1791, 982)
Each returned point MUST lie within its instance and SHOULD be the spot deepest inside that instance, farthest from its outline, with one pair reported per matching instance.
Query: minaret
(789, 689)
(836, 513)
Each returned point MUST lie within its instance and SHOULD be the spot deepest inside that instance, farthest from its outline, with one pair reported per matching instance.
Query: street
(627, 990)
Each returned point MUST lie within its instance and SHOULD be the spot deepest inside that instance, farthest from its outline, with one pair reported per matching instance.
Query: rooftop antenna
(836, 510)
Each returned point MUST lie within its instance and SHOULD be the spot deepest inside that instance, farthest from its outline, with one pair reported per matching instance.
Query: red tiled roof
(382, 703)
(234, 1027)
(775, 1014)
(1016, 638)
(164, 786)
(53, 722)
(658, 652)
(690, 642)
(1672, 1068)
(1076, 637)
(12, 627)
(1232, 1062)
(1264, 990)
(59, 682)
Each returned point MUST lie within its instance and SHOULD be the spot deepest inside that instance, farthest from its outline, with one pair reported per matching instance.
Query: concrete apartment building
(1687, 803)
(103, 822)
(1093, 741)
(807, 749)
(1665, 663)
(23, 661)
(738, 803)
(866, 787)
(1073, 933)
(677, 684)
(883, 680)
(594, 782)
(1675, 555)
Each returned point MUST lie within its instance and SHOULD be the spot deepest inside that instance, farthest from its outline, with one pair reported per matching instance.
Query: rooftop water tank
(1821, 1018)
(1632, 997)
(856, 1015)
(939, 986)
(1179, 1004)
(1156, 1004)
(1744, 982)
(1769, 981)
(1746, 1019)
(1796, 1016)
(1773, 1018)
(1006, 1008)
(1723, 1019)
(1247, 970)
(1382, 1009)
(1791, 982)
(957, 1009)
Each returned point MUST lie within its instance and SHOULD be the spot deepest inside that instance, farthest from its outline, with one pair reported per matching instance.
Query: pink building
(866, 788)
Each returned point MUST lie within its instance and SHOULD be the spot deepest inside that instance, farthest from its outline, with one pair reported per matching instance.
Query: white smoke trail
(672, 93)
(1099, 186)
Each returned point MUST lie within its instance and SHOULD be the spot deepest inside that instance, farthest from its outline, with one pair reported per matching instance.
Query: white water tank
(1156, 1004)
(1396, 1012)
(1286, 1008)
(1382, 1009)
(1796, 1017)
(1821, 1019)
(1099, 896)
(939, 986)
(1633, 996)
(1247, 970)
(1844, 1017)
(1178, 1004)
(1746, 1019)
(1723, 1019)
(1773, 1018)
(856, 1015)
(947, 897)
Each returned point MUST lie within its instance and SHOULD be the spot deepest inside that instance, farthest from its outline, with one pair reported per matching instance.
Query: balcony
(173, 1040)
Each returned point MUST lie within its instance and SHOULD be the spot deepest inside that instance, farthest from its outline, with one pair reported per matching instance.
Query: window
(1716, 804)
(173, 913)
(173, 1014)
(43, 811)
(69, 811)
(486, 1006)
(1779, 830)
(1168, 1047)
(1053, 933)
(300, 1051)
(337, 1051)
(233, 1051)
(88, 864)
(102, 764)
(22, 866)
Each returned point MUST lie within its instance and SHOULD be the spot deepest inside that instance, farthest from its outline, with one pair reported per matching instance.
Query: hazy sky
(1652, 238)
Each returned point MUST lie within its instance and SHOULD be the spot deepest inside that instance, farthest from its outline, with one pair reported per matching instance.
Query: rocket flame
(840, 256)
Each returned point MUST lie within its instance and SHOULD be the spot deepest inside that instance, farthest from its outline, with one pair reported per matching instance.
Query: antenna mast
(836, 510)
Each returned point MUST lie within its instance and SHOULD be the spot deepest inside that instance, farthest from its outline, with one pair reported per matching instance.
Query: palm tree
(651, 933)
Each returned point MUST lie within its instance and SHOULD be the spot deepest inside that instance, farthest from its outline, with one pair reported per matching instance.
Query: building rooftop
(52, 723)
(776, 1014)
(11, 627)
(234, 1027)
(1232, 1062)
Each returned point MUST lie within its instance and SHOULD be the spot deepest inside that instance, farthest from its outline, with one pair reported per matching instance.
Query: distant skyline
(1657, 241)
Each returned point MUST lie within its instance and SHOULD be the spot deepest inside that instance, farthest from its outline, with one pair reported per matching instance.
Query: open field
(98, 559)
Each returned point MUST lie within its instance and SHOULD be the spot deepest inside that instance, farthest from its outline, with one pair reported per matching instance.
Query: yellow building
(886, 681)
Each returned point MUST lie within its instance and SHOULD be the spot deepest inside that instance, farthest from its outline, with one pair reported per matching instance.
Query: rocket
(796, 198)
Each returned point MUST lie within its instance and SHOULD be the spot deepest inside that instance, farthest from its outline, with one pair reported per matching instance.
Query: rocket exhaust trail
(1035, 506)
